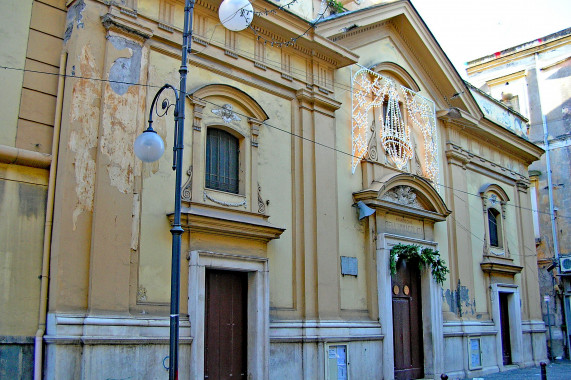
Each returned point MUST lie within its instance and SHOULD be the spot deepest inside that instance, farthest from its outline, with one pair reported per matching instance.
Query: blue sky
(471, 29)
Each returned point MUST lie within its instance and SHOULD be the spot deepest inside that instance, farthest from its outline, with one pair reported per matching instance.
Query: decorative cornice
(120, 24)
(314, 98)
(358, 31)
(222, 221)
(494, 267)
(459, 156)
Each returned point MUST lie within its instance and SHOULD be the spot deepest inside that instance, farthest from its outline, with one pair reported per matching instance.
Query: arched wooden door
(407, 323)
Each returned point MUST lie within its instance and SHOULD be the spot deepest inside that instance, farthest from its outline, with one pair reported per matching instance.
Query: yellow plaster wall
(274, 173)
(275, 176)
(14, 29)
(477, 226)
(352, 232)
(22, 202)
(157, 194)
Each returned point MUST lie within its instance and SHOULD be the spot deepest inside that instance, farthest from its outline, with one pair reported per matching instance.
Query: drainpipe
(548, 162)
(39, 341)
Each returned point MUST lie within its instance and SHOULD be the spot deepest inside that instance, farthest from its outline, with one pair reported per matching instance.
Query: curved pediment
(493, 188)
(232, 93)
(405, 194)
(397, 72)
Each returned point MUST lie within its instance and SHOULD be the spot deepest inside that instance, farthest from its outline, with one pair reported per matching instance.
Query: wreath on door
(414, 255)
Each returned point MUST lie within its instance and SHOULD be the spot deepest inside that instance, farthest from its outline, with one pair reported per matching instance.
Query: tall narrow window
(221, 161)
(493, 222)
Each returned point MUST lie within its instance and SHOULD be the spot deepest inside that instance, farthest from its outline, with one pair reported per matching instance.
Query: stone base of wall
(16, 357)
(457, 337)
(80, 347)
(299, 350)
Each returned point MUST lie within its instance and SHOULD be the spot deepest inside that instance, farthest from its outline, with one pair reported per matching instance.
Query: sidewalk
(556, 370)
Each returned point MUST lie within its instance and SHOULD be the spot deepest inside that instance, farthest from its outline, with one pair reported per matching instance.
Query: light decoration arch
(371, 90)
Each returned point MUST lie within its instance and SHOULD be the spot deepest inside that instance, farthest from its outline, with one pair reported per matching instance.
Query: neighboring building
(31, 39)
(281, 142)
(534, 79)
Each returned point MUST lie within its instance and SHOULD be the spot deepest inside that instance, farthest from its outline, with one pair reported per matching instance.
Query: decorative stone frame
(432, 322)
(245, 125)
(494, 197)
(514, 310)
(414, 197)
(258, 309)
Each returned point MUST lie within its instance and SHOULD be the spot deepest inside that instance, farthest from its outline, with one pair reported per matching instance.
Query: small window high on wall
(494, 201)
(222, 161)
(494, 226)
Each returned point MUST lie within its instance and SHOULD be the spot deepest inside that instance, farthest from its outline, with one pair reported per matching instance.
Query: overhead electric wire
(264, 123)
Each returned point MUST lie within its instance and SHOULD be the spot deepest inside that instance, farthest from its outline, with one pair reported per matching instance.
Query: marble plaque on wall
(401, 225)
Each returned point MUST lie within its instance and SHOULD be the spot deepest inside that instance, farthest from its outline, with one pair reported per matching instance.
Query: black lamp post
(235, 15)
(149, 147)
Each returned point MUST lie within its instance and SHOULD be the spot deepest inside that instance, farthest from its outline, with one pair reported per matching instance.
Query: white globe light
(149, 146)
(236, 15)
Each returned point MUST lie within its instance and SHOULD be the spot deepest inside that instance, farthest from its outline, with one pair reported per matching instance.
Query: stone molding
(258, 308)
(431, 299)
(457, 155)
(223, 221)
(324, 331)
(114, 330)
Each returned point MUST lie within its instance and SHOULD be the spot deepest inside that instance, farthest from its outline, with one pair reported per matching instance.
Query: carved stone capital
(457, 157)
(254, 130)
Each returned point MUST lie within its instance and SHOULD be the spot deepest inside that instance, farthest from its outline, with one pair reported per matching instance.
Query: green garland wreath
(420, 257)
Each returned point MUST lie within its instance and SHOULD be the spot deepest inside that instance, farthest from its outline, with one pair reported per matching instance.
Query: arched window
(222, 161)
(494, 221)
(494, 200)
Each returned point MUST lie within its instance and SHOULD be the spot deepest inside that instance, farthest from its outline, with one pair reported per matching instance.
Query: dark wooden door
(505, 327)
(407, 323)
(226, 325)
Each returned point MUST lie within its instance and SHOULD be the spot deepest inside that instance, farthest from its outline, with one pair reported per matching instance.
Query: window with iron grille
(222, 155)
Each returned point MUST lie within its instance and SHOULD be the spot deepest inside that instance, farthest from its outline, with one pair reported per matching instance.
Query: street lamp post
(149, 147)
(235, 15)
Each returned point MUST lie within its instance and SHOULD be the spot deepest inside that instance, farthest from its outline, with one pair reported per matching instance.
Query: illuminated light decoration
(422, 113)
(371, 90)
(395, 134)
(367, 94)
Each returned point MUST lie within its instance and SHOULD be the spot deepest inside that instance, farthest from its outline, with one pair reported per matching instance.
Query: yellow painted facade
(292, 224)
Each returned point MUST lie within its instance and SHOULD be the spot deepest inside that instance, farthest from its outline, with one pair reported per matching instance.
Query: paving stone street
(556, 370)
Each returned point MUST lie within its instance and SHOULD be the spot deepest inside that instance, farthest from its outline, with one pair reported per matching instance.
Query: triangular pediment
(396, 33)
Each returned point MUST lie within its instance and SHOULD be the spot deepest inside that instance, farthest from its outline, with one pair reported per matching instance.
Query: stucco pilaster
(120, 122)
(461, 267)
(527, 252)
(73, 205)
(320, 229)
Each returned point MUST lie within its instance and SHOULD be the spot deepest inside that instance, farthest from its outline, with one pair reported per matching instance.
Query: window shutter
(222, 161)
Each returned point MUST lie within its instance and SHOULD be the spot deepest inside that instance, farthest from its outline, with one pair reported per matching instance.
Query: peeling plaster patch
(119, 123)
(83, 137)
(74, 14)
(136, 220)
(125, 71)
(459, 301)
(141, 294)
